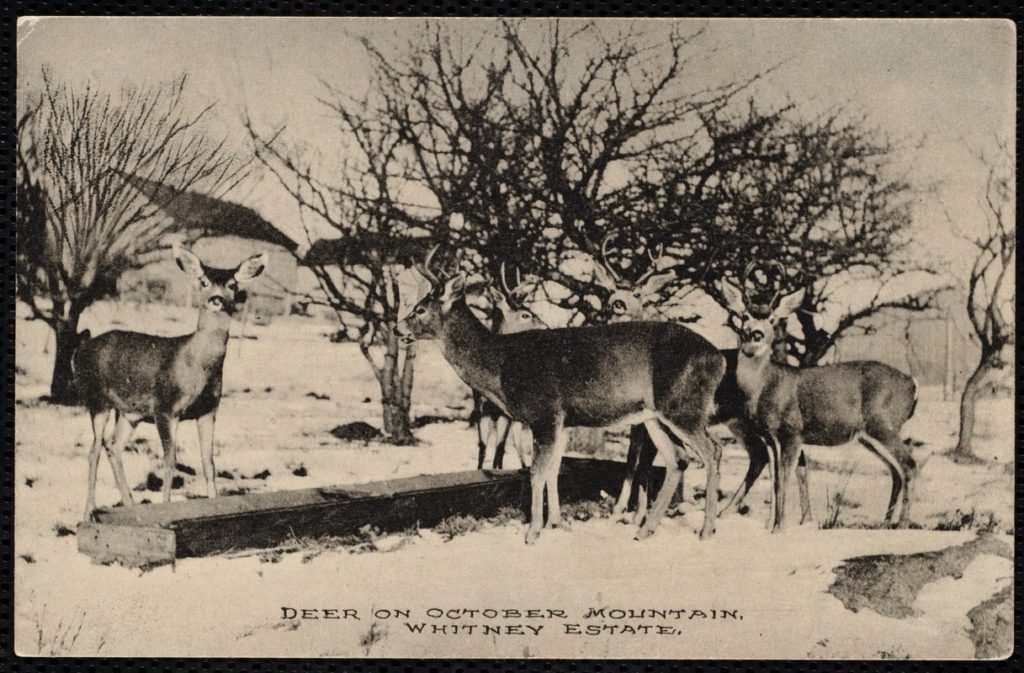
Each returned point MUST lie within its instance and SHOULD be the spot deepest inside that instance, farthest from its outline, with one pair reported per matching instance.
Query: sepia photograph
(515, 338)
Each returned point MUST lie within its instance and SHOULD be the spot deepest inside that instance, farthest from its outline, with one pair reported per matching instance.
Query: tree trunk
(964, 449)
(396, 393)
(66, 338)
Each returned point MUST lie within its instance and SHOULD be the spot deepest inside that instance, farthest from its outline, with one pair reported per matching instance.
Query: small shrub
(983, 521)
(457, 525)
(836, 502)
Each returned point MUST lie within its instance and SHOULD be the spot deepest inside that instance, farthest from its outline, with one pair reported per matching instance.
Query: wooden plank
(128, 545)
(261, 520)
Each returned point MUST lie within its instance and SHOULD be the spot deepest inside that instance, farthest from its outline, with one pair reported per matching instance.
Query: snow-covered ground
(274, 418)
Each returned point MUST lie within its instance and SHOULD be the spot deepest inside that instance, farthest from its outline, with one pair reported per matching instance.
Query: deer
(162, 380)
(632, 300)
(658, 373)
(825, 405)
(508, 315)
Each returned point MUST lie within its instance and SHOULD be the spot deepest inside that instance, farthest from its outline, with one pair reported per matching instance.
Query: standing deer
(828, 405)
(508, 315)
(632, 300)
(162, 379)
(659, 373)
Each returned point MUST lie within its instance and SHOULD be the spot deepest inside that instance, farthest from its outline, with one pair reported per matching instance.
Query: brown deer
(659, 373)
(634, 300)
(162, 379)
(828, 405)
(508, 314)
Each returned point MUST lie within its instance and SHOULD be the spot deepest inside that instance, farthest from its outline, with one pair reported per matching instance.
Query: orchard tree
(80, 223)
(378, 234)
(990, 285)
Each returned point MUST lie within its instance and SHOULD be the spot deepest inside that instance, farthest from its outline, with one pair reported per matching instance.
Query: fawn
(162, 380)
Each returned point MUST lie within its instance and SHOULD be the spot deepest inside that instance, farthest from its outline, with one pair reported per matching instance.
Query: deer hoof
(532, 534)
(706, 534)
(643, 533)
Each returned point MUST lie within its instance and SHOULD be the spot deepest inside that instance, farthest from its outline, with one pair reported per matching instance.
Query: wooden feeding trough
(161, 532)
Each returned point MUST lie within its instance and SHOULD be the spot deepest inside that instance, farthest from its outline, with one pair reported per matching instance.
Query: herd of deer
(662, 378)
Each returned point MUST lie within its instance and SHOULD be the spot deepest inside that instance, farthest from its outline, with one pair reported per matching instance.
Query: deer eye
(757, 336)
(420, 310)
(525, 315)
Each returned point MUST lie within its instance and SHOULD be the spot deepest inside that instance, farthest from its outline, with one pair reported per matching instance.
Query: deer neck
(473, 352)
(208, 344)
(752, 376)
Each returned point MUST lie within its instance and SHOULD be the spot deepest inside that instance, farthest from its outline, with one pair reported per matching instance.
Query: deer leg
(204, 427)
(551, 481)
(788, 453)
(910, 468)
(123, 429)
(757, 455)
(501, 428)
(99, 422)
(481, 445)
(644, 470)
(773, 454)
(632, 459)
(667, 448)
(166, 427)
(895, 470)
(805, 491)
(523, 437)
(710, 453)
(545, 434)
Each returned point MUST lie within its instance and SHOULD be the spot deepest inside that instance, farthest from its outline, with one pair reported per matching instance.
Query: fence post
(947, 385)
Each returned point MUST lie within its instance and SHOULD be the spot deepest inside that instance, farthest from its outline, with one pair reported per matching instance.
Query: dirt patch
(356, 431)
(992, 626)
(889, 583)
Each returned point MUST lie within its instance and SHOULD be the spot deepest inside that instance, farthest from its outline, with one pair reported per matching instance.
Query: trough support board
(157, 532)
(129, 545)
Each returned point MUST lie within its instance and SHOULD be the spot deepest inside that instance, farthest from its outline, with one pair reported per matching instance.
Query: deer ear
(187, 261)
(655, 283)
(251, 268)
(733, 298)
(790, 303)
(494, 294)
(603, 278)
(454, 287)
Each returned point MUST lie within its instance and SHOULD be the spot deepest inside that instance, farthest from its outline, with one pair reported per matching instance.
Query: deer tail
(917, 390)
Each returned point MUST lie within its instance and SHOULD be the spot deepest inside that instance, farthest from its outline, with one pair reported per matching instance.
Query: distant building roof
(210, 215)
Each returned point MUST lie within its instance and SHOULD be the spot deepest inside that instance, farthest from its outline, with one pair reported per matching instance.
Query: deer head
(512, 314)
(628, 297)
(222, 289)
(758, 320)
(427, 317)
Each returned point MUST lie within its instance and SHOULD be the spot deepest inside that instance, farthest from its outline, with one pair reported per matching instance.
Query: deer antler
(515, 294)
(755, 264)
(654, 263)
(424, 268)
(604, 256)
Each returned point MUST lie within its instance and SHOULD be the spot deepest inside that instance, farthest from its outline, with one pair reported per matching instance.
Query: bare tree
(530, 136)
(990, 285)
(80, 222)
(824, 197)
(378, 234)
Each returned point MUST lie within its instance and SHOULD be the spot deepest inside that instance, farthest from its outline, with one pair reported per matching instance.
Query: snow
(232, 606)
